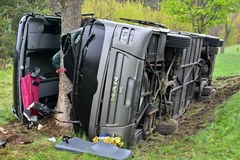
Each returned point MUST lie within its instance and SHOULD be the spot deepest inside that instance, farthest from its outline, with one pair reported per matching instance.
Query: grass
(220, 140)
(6, 96)
(227, 64)
(39, 150)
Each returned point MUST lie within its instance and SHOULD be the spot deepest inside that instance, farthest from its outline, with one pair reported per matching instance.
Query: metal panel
(120, 65)
(187, 75)
(101, 78)
(123, 67)
(88, 65)
(139, 45)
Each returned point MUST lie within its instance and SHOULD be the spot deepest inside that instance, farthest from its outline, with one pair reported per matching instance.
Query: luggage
(30, 91)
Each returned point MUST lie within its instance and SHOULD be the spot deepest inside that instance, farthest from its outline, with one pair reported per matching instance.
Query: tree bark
(71, 15)
(70, 20)
(228, 28)
(227, 33)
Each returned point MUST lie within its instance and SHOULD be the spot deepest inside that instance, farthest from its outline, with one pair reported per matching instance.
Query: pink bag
(30, 91)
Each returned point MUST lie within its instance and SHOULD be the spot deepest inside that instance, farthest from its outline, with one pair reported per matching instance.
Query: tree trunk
(70, 20)
(228, 27)
(227, 33)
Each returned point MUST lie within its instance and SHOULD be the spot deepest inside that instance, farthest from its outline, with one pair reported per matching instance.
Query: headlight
(124, 35)
(131, 37)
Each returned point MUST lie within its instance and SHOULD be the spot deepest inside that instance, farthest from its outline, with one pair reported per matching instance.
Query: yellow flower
(117, 141)
(95, 139)
(107, 140)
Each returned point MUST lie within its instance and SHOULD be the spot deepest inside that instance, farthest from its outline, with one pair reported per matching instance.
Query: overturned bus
(125, 77)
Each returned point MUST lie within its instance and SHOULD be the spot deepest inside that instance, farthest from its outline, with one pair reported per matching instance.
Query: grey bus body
(38, 40)
(125, 77)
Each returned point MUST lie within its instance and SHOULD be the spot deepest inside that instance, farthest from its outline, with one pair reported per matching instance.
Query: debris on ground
(3, 130)
(2, 144)
(52, 139)
(102, 149)
(25, 142)
(39, 127)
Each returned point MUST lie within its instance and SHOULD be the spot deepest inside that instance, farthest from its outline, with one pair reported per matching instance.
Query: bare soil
(17, 133)
(201, 113)
(196, 118)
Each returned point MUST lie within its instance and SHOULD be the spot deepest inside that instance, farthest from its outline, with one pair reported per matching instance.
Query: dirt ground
(201, 113)
(195, 119)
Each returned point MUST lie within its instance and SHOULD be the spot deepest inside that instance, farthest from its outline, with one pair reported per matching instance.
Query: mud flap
(100, 148)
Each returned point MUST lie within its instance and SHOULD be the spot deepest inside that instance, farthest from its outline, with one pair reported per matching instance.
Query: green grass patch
(227, 64)
(6, 96)
(42, 149)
